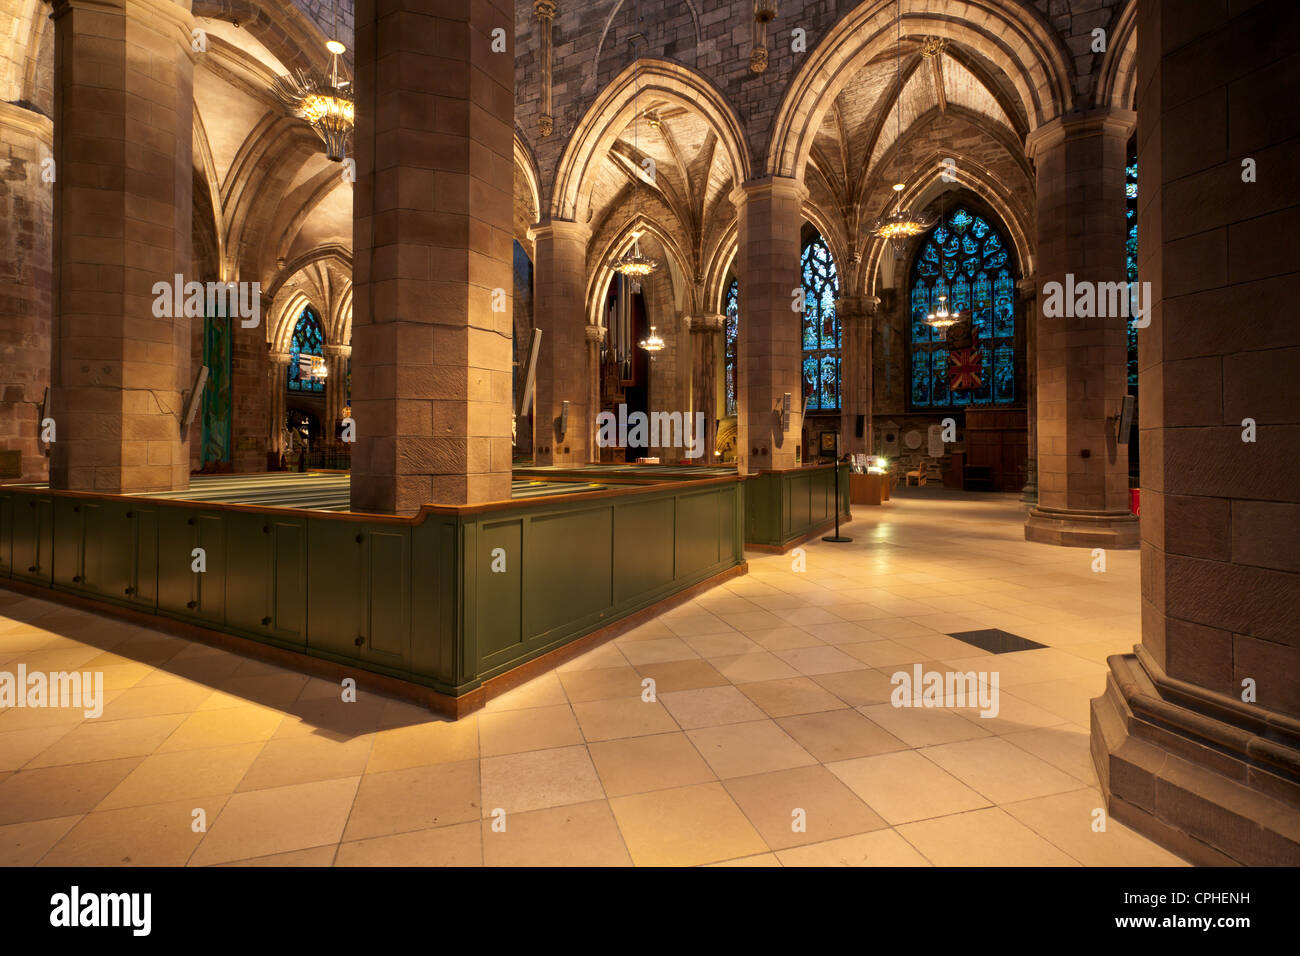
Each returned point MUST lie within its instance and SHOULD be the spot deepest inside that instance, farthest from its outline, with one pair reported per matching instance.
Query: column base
(1029, 494)
(1208, 777)
(1083, 529)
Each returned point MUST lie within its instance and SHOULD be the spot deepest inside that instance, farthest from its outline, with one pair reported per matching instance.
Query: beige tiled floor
(771, 741)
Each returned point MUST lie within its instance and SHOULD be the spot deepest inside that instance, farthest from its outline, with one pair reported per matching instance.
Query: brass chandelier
(633, 263)
(326, 102)
(901, 224)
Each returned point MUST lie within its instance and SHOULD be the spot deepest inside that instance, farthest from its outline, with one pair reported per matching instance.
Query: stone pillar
(706, 346)
(1083, 498)
(1197, 737)
(1028, 290)
(123, 94)
(433, 237)
(277, 379)
(769, 350)
(595, 335)
(26, 220)
(560, 284)
(856, 371)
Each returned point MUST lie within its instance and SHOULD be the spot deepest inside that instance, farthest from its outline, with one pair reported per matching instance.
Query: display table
(868, 489)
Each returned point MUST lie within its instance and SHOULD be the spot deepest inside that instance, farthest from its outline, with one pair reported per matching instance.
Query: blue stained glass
(984, 394)
(308, 339)
(731, 333)
(960, 295)
(939, 378)
(921, 378)
(1004, 318)
(1004, 374)
(971, 259)
(1130, 254)
(821, 327)
(982, 308)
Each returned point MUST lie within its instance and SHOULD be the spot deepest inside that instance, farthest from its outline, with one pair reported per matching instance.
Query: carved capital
(707, 322)
(545, 10)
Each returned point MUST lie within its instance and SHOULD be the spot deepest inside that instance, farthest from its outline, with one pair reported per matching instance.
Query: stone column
(563, 375)
(122, 148)
(706, 346)
(26, 220)
(1083, 498)
(433, 235)
(277, 379)
(856, 371)
(769, 349)
(595, 335)
(1028, 290)
(1197, 737)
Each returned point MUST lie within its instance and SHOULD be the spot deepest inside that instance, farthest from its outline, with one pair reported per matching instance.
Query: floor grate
(997, 641)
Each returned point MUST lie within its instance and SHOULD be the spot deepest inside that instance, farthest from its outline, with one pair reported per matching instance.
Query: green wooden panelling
(6, 534)
(419, 601)
(335, 599)
(387, 559)
(643, 553)
(566, 567)
(33, 538)
(498, 560)
(781, 506)
(697, 545)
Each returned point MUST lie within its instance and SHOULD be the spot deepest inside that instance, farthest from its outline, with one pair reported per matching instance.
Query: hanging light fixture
(941, 318)
(633, 263)
(318, 367)
(901, 224)
(325, 101)
(653, 342)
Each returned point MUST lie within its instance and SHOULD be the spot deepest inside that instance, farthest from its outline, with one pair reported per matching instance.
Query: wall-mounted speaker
(859, 425)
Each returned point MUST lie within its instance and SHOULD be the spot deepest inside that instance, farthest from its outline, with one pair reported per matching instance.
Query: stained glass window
(966, 259)
(821, 327)
(731, 329)
(1131, 253)
(308, 340)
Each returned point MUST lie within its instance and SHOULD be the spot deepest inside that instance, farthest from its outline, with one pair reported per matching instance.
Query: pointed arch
(1013, 37)
(1117, 78)
(925, 186)
(602, 274)
(616, 107)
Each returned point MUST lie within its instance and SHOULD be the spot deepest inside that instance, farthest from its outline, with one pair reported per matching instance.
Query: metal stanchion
(837, 538)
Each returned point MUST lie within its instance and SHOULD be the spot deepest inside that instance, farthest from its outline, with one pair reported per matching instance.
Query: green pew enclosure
(447, 599)
(784, 506)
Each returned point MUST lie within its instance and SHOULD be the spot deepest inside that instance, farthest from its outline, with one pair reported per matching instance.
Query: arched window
(730, 329)
(821, 327)
(965, 259)
(308, 342)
